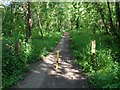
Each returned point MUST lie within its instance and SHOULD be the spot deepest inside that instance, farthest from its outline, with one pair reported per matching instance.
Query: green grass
(41, 47)
(104, 71)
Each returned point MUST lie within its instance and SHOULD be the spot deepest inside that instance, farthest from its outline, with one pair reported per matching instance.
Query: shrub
(104, 71)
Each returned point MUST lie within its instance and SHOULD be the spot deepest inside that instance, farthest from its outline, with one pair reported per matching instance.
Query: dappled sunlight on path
(45, 74)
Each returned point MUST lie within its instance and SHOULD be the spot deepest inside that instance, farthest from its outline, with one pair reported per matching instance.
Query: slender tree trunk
(39, 20)
(17, 47)
(111, 22)
(28, 35)
(31, 23)
(58, 20)
(24, 13)
(77, 21)
(11, 19)
(102, 16)
(29, 20)
(59, 25)
(15, 14)
(104, 22)
(24, 10)
(40, 24)
(77, 24)
(117, 14)
(48, 22)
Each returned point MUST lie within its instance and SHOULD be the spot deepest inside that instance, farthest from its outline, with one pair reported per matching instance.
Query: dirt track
(45, 75)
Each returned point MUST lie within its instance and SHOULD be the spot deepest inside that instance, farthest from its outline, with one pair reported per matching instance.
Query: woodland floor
(44, 74)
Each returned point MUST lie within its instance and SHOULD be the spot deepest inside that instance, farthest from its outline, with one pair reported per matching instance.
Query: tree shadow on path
(45, 74)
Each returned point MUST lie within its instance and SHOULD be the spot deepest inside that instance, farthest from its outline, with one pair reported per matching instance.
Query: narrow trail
(45, 74)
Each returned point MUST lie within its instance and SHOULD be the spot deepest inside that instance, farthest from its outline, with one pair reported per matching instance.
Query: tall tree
(38, 11)
(25, 13)
(111, 22)
(28, 35)
(117, 14)
(59, 16)
(100, 10)
(11, 18)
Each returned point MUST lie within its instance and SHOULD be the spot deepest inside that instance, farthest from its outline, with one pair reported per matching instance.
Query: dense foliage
(31, 29)
(104, 71)
(20, 49)
(14, 65)
(95, 24)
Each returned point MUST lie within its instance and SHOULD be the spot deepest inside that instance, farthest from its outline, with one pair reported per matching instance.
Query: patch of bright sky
(5, 2)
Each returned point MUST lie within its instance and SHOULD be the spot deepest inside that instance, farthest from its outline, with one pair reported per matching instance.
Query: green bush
(104, 71)
(14, 65)
(41, 47)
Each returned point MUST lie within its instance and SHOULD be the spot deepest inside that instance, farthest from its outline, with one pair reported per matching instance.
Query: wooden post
(93, 49)
(17, 47)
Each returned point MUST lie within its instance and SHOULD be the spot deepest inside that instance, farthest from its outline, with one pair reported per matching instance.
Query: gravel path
(45, 75)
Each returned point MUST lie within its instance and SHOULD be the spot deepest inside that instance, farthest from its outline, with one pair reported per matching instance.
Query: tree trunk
(102, 16)
(39, 24)
(77, 24)
(28, 35)
(17, 47)
(24, 13)
(24, 10)
(117, 14)
(15, 14)
(59, 25)
(39, 20)
(48, 22)
(111, 22)
(11, 19)
(104, 22)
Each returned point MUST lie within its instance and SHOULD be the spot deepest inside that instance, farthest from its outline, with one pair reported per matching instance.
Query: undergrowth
(14, 65)
(104, 71)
